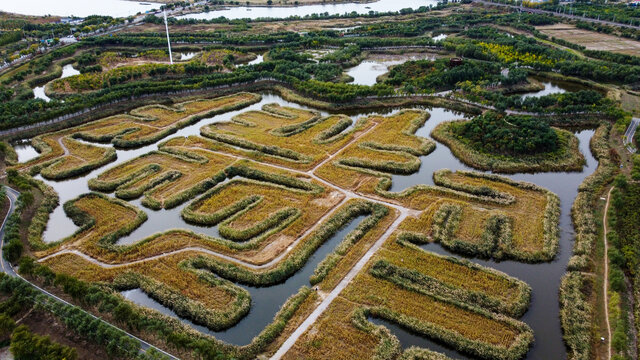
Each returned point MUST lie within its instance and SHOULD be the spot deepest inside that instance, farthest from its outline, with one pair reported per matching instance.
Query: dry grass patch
(391, 147)
(592, 40)
(215, 303)
(333, 336)
(242, 205)
(509, 295)
(61, 156)
(283, 135)
(149, 124)
(532, 214)
(242, 224)
(165, 179)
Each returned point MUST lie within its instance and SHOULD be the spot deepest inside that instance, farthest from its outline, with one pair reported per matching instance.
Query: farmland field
(592, 40)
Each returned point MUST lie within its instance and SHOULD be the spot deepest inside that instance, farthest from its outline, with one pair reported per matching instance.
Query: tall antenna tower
(166, 26)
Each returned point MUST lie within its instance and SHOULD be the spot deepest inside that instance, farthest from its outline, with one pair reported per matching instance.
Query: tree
(28, 346)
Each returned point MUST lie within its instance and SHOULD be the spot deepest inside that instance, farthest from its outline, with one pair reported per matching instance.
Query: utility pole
(166, 26)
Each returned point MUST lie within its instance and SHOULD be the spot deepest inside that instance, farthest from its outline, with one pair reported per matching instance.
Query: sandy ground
(592, 40)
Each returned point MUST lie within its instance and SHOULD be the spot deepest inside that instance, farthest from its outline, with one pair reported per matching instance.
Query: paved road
(8, 269)
(12, 195)
(567, 16)
(628, 135)
(605, 284)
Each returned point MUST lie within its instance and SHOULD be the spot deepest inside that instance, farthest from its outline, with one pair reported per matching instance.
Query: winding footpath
(400, 214)
(605, 283)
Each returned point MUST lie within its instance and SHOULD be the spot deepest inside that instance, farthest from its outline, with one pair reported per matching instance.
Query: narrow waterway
(266, 301)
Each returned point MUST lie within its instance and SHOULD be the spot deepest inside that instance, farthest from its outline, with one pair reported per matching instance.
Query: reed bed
(391, 147)
(148, 124)
(283, 135)
(300, 254)
(143, 126)
(154, 326)
(165, 179)
(424, 271)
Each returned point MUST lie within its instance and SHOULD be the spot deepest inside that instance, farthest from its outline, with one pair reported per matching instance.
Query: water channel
(544, 278)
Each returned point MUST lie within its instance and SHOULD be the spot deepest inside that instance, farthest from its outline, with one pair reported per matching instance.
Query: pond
(244, 12)
(367, 72)
(553, 87)
(80, 8)
(25, 151)
(38, 93)
(67, 70)
(542, 316)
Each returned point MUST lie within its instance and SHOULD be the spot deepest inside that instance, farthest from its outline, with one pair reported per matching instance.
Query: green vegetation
(576, 310)
(432, 76)
(26, 345)
(510, 135)
(511, 144)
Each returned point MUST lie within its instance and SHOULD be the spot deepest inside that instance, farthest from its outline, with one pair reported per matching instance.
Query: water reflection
(67, 70)
(187, 56)
(408, 339)
(25, 152)
(38, 93)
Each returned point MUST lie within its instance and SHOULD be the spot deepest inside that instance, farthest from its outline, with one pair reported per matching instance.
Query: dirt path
(605, 283)
(319, 310)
